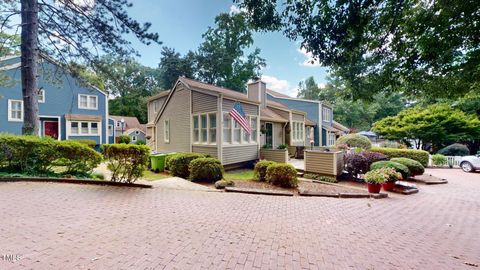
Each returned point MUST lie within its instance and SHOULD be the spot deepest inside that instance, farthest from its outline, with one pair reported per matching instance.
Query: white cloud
(309, 60)
(281, 86)
(235, 9)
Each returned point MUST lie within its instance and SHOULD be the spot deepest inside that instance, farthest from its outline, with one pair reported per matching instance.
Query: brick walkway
(63, 226)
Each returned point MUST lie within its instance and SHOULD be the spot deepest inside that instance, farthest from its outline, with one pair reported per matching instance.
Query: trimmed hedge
(455, 149)
(206, 169)
(283, 175)
(125, 139)
(260, 170)
(355, 164)
(372, 157)
(178, 164)
(79, 158)
(126, 161)
(89, 143)
(418, 155)
(390, 164)
(415, 167)
(355, 140)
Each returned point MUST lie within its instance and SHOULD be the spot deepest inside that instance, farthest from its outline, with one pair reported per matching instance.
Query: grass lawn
(151, 176)
(241, 174)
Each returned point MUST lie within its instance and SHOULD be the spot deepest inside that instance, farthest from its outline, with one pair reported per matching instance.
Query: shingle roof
(130, 121)
(268, 115)
(159, 95)
(277, 94)
(339, 126)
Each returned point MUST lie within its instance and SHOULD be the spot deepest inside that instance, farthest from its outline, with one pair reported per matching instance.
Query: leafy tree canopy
(173, 65)
(410, 46)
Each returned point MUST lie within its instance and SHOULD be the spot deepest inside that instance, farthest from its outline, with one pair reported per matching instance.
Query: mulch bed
(328, 189)
(261, 185)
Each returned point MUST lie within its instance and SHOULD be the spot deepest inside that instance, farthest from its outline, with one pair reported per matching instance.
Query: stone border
(259, 191)
(343, 195)
(72, 181)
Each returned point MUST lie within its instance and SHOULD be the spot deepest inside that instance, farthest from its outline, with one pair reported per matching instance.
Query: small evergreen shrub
(390, 164)
(283, 175)
(354, 140)
(179, 163)
(124, 139)
(439, 160)
(418, 155)
(126, 161)
(282, 146)
(78, 158)
(455, 149)
(415, 167)
(355, 164)
(206, 170)
(140, 142)
(372, 157)
(260, 169)
(221, 184)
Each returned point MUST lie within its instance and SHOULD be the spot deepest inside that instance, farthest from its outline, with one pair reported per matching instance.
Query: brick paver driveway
(63, 226)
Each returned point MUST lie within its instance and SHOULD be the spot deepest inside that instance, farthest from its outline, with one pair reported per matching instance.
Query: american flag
(239, 116)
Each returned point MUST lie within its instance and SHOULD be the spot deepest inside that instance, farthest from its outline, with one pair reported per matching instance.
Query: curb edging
(72, 181)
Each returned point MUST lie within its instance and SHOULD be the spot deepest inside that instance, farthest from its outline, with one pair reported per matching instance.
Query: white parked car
(470, 163)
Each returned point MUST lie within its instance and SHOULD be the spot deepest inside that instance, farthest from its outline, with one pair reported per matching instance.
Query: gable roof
(267, 114)
(130, 121)
(283, 96)
(159, 95)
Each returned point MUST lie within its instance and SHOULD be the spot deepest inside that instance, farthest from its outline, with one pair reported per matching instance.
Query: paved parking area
(64, 226)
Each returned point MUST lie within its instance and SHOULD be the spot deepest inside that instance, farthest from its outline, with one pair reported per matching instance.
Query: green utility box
(158, 162)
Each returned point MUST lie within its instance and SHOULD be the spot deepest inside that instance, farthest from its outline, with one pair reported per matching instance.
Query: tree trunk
(29, 53)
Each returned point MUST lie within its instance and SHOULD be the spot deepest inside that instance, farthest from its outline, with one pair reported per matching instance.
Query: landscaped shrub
(439, 160)
(27, 154)
(390, 164)
(77, 157)
(221, 184)
(89, 143)
(140, 142)
(391, 174)
(372, 157)
(260, 170)
(267, 146)
(124, 139)
(283, 175)
(97, 176)
(206, 169)
(355, 164)
(418, 155)
(415, 167)
(375, 177)
(455, 149)
(282, 146)
(126, 161)
(355, 140)
(179, 163)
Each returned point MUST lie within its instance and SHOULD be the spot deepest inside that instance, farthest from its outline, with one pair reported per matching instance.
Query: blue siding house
(68, 108)
(319, 112)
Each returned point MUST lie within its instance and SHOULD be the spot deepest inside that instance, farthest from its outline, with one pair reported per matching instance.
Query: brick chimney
(257, 91)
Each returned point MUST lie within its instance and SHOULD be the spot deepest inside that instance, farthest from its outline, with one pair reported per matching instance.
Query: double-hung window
(227, 128)
(196, 129)
(253, 125)
(212, 123)
(15, 110)
(205, 128)
(166, 131)
(326, 115)
(298, 131)
(85, 128)
(234, 133)
(88, 102)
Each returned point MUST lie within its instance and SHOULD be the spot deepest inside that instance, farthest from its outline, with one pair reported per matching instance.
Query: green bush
(439, 160)
(221, 184)
(124, 139)
(77, 157)
(282, 146)
(418, 155)
(126, 161)
(319, 177)
(179, 163)
(97, 176)
(415, 167)
(375, 177)
(267, 146)
(455, 149)
(390, 164)
(260, 170)
(283, 175)
(354, 140)
(27, 154)
(89, 143)
(140, 142)
(206, 170)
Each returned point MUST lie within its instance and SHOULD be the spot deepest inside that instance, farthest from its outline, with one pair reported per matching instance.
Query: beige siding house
(194, 117)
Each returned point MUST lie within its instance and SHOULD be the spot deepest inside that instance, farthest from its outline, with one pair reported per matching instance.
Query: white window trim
(298, 126)
(110, 130)
(43, 95)
(9, 112)
(200, 127)
(134, 138)
(80, 134)
(331, 139)
(165, 138)
(88, 102)
(326, 114)
(242, 132)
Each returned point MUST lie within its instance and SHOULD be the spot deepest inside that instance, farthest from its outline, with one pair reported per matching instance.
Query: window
(87, 128)
(237, 132)
(15, 110)
(203, 129)
(155, 105)
(110, 130)
(134, 138)
(87, 102)
(41, 96)
(117, 124)
(137, 132)
(212, 120)
(331, 139)
(253, 125)
(298, 131)
(196, 129)
(326, 115)
(166, 131)
(227, 128)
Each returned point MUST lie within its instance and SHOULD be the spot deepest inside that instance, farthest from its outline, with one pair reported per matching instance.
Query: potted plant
(392, 176)
(374, 180)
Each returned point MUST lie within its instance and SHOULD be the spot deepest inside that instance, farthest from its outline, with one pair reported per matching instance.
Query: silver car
(470, 163)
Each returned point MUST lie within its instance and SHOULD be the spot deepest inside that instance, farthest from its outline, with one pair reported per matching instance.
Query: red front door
(51, 129)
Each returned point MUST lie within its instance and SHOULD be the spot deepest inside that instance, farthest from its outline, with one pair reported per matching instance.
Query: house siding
(111, 139)
(238, 154)
(178, 111)
(151, 107)
(203, 102)
(61, 97)
(212, 151)
(298, 117)
(140, 136)
(249, 109)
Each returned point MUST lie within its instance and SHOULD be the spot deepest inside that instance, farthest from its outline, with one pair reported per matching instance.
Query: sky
(181, 23)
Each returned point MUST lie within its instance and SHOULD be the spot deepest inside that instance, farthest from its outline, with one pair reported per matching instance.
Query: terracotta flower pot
(374, 188)
(388, 186)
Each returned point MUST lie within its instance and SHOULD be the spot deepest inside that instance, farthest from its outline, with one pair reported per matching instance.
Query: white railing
(451, 160)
